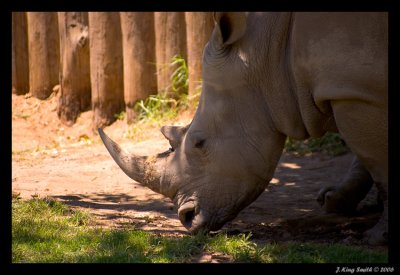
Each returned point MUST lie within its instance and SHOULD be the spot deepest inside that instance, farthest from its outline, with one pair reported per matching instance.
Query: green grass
(120, 116)
(47, 231)
(242, 249)
(157, 108)
(164, 106)
(180, 77)
(330, 143)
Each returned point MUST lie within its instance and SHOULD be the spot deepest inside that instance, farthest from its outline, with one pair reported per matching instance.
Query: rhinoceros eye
(200, 143)
(197, 139)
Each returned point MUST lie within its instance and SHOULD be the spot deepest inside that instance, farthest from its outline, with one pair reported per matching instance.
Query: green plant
(165, 106)
(120, 116)
(156, 108)
(180, 77)
(330, 143)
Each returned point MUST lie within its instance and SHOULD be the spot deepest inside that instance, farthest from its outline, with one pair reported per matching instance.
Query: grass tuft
(157, 109)
(180, 77)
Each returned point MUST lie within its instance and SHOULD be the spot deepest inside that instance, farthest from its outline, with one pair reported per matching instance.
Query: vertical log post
(106, 67)
(74, 66)
(140, 79)
(199, 26)
(170, 32)
(20, 59)
(44, 53)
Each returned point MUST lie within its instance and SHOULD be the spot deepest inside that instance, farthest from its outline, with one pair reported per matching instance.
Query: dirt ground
(72, 165)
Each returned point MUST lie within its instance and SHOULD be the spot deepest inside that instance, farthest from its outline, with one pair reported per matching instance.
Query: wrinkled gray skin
(267, 76)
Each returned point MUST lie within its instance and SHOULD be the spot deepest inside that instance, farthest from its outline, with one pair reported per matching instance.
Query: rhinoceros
(268, 76)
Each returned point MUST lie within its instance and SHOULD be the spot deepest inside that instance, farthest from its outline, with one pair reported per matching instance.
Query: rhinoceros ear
(231, 26)
(174, 134)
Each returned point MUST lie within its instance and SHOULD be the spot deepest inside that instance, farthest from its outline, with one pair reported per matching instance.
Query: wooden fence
(104, 61)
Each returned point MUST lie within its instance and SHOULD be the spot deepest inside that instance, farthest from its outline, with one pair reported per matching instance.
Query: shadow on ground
(288, 211)
(122, 209)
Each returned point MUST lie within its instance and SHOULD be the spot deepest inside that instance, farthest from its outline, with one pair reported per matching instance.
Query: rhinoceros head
(223, 160)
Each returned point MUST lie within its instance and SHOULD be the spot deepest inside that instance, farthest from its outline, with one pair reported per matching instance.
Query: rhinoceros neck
(272, 61)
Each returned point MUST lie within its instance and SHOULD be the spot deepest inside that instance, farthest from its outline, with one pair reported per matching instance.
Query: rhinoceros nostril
(187, 214)
(189, 217)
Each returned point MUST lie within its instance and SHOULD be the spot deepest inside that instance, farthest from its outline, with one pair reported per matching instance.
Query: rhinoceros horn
(145, 170)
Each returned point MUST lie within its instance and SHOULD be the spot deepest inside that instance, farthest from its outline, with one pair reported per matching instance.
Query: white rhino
(267, 76)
